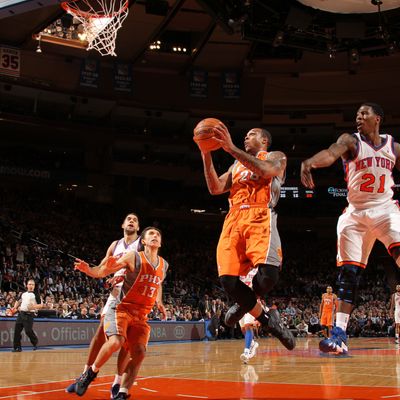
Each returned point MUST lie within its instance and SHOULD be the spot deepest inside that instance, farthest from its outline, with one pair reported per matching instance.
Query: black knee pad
(265, 279)
(239, 292)
(348, 281)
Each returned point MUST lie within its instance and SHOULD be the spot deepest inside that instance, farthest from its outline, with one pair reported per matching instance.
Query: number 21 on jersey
(368, 184)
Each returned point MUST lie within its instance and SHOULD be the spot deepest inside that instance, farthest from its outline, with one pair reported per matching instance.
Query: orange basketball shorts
(249, 237)
(132, 325)
(327, 318)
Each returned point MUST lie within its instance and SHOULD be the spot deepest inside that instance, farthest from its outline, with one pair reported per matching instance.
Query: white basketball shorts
(357, 231)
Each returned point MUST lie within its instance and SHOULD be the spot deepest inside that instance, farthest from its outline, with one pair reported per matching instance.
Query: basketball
(204, 134)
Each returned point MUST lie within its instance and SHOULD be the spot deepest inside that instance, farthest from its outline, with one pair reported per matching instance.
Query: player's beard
(130, 231)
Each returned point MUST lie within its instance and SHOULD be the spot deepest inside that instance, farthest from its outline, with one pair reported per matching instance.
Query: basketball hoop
(101, 20)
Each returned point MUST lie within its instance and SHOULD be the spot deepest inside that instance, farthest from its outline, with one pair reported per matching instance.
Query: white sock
(94, 368)
(342, 320)
(124, 390)
(397, 335)
(117, 379)
(86, 368)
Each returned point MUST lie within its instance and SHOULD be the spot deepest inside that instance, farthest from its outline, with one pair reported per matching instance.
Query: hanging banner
(198, 83)
(90, 73)
(123, 81)
(10, 61)
(230, 85)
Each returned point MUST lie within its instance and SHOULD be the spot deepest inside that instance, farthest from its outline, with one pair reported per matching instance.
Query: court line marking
(46, 382)
(177, 376)
(46, 391)
(150, 390)
(390, 397)
(187, 377)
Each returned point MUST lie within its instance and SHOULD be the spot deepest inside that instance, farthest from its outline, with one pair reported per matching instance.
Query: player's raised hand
(224, 137)
(80, 265)
(305, 174)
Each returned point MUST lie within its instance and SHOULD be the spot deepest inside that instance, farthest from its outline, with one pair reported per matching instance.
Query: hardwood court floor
(212, 370)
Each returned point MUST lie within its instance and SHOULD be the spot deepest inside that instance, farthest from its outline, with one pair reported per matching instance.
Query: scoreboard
(296, 192)
(300, 192)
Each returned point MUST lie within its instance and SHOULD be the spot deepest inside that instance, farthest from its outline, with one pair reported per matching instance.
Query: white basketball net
(101, 20)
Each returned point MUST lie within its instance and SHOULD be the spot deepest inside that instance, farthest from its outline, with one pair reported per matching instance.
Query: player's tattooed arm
(215, 184)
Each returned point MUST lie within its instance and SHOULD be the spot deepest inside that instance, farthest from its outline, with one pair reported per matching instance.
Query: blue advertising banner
(230, 85)
(198, 83)
(123, 81)
(90, 73)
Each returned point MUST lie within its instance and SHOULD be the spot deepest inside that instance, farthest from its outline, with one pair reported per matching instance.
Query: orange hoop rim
(66, 5)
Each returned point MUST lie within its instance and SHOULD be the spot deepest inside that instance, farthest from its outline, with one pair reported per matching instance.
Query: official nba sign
(10, 61)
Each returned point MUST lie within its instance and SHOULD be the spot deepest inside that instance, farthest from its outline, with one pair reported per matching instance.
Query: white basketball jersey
(248, 279)
(369, 175)
(397, 302)
(120, 249)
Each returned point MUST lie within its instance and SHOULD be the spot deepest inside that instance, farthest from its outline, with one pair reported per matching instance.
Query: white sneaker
(245, 357)
(253, 349)
(397, 341)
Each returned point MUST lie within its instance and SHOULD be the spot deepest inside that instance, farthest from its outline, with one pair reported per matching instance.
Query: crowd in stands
(39, 238)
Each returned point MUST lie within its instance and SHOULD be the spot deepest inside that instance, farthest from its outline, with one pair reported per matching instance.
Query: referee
(27, 306)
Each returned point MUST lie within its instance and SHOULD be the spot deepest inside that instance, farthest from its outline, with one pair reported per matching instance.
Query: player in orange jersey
(327, 310)
(129, 242)
(249, 237)
(145, 272)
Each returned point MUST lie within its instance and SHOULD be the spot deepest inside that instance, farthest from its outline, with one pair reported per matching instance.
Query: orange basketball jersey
(248, 187)
(328, 302)
(141, 286)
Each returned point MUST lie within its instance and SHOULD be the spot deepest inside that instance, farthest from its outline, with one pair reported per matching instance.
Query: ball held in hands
(205, 134)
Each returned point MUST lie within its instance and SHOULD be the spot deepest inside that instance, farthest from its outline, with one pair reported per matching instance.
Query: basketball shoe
(122, 396)
(83, 382)
(245, 357)
(277, 329)
(234, 315)
(114, 390)
(253, 349)
(336, 344)
(70, 388)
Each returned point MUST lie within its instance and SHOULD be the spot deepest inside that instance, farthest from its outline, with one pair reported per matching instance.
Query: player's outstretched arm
(325, 158)
(108, 265)
(84, 267)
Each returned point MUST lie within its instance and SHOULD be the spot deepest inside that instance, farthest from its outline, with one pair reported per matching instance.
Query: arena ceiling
(218, 34)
